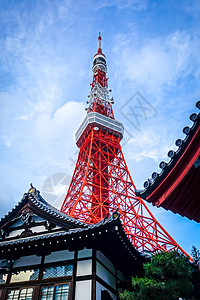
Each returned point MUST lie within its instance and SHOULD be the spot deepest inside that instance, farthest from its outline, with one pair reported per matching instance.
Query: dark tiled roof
(107, 236)
(114, 218)
(33, 196)
(151, 184)
(38, 201)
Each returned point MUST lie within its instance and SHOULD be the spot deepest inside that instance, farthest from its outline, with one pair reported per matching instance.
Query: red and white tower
(101, 183)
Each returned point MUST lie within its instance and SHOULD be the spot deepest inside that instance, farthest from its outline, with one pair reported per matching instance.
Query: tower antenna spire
(99, 43)
(101, 182)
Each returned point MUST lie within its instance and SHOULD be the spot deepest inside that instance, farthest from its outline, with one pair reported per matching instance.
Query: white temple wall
(85, 253)
(59, 256)
(105, 261)
(84, 267)
(27, 260)
(106, 276)
(83, 290)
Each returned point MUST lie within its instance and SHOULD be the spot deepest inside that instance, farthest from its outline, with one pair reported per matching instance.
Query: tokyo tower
(101, 182)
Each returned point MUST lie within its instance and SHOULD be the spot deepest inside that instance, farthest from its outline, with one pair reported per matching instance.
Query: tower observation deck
(101, 182)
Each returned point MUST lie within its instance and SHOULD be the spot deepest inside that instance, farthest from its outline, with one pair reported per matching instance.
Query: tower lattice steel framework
(101, 182)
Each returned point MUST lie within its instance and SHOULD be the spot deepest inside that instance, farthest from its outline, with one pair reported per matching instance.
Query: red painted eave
(179, 191)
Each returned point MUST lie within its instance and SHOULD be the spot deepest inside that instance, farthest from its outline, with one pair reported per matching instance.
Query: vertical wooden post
(74, 276)
(93, 274)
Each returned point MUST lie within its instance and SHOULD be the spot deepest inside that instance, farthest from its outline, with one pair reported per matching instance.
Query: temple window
(60, 292)
(58, 271)
(25, 275)
(20, 294)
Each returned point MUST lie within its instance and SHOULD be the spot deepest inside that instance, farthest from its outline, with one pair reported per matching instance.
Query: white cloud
(41, 145)
(40, 112)
(193, 8)
(160, 69)
(148, 144)
(137, 5)
(6, 197)
(157, 62)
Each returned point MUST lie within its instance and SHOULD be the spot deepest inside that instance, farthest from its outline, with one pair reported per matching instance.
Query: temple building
(45, 254)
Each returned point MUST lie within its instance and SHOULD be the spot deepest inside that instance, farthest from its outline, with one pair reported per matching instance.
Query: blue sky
(46, 52)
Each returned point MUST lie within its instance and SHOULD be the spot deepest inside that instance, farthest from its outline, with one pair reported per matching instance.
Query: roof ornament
(116, 214)
(32, 189)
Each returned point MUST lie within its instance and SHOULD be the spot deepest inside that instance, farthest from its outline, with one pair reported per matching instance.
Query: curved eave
(107, 235)
(42, 208)
(176, 188)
